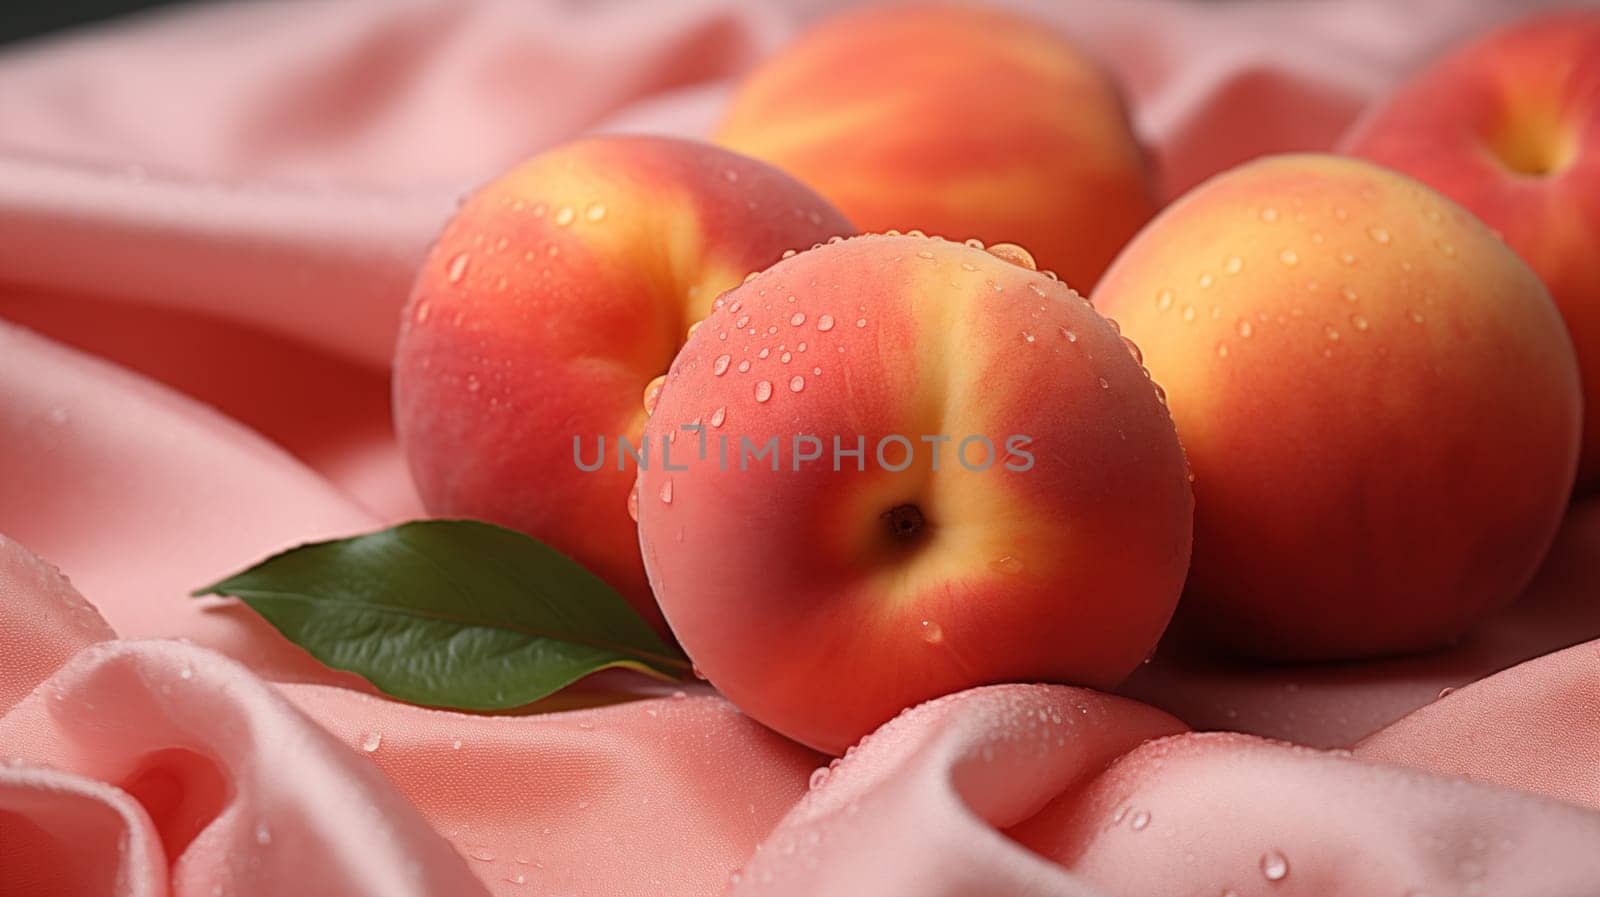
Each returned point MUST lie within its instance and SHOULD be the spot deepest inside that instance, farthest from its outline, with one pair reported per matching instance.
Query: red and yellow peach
(957, 121)
(1377, 396)
(555, 294)
(1011, 503)
(1509, 126)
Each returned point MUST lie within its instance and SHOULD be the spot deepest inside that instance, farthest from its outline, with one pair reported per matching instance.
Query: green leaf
(451, 613)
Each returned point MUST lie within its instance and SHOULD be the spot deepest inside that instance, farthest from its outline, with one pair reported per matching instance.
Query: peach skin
(1378, 398)
(957, 121)
(1509, 126)
(555, 294)
(1006, 499)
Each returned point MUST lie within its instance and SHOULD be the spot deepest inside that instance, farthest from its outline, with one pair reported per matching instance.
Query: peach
(555, 294)
(957, 121)
(1019, 508)
(1509, 126)
(1377, 396)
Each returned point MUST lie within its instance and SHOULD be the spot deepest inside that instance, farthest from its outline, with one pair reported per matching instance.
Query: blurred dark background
(21, 19)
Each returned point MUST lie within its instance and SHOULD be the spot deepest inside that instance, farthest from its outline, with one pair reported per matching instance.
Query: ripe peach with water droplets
(1509, 126)
(1378, 398)
(960, 121)
(1018, 510)
(552, 298)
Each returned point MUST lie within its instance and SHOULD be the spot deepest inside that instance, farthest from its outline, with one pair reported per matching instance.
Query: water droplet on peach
(458, 266)
(652, 393)
(666, 493)
(1274, 866)
(825, 323)
(564, 216)
(1016, 255)
(1007, 564)
(797, 383)
(763, 390)
(1379, 235)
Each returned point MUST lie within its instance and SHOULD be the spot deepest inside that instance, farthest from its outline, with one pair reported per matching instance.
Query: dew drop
(1188, 313)
(744, 366)
(763, 390)
(421, 315)
(1289, 257)
(1416, 317)
(1164, 300)
(1016, 255)
(798, 318)
(1133, 349)
(564, 216)
(458, 267)
(924, 254)
(1233, 265)
(1274, 866)
(1333, 335)
(595, 212)
(797, 383)
(718, 416)
(1104, 383)
(720, 366)
(861, 322)
(825, 323)
(1245, 328)
(1069, 335)
(1269, 214)
(652, 393)
(372, 741)
(785, 357)
(1222, 350)
(1007, 564)
(1379, 235)
(1206, 280)
(764, 352)
(1140, 820)
(930, 632)
(1348, 294)
(666, 493)
(263, 834)
(1358, 322)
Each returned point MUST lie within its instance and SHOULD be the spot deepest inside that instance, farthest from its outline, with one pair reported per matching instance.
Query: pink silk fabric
(208, 222)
